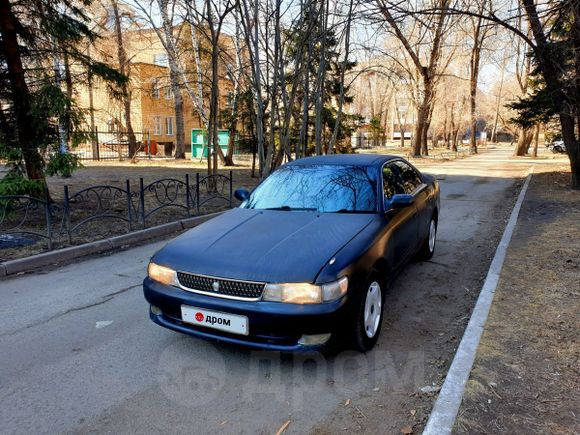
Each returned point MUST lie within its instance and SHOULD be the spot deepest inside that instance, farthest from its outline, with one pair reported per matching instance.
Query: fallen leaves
(406, 430)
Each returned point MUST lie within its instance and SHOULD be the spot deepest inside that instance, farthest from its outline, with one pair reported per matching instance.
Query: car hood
(263, 245)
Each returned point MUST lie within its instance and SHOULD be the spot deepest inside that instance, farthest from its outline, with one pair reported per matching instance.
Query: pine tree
(39, 42)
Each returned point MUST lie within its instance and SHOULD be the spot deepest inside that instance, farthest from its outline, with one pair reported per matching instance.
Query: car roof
(344, 159)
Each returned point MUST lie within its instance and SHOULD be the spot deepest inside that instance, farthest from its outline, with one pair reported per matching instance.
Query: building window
(155, 89)
(168, 93)
(157, 125)
(169, 125)
(230, 99)
(160, 59)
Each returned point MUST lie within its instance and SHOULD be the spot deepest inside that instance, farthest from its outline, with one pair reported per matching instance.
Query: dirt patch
(526, 376)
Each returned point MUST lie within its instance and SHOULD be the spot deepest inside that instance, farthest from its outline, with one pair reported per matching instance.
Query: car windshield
(321, 188)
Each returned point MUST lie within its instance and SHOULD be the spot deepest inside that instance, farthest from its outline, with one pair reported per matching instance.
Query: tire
(428, 246)
(368, 317)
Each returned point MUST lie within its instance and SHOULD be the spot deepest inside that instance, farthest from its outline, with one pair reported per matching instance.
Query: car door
(413, 185)
(402, 225)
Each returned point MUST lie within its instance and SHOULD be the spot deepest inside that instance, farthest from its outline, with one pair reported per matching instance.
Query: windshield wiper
(345, 210)
(288, 208)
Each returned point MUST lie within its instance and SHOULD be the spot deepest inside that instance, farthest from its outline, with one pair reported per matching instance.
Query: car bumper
(272, 325)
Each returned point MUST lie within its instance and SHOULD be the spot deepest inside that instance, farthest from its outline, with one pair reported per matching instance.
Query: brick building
(152, 105)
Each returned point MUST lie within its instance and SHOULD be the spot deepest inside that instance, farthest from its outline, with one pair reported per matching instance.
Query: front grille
(232, 288)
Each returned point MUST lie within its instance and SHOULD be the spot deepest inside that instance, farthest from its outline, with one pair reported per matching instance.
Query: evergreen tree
(39, 42)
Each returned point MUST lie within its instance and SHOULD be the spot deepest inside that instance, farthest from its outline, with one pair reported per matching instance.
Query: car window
(410, 178)
(392, 183)
(321, 188)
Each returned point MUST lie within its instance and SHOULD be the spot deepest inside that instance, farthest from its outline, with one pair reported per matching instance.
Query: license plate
(215, 319)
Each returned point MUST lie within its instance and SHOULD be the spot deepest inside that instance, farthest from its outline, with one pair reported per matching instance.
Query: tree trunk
(342, 72)
(424, 139)
(418, 133)
(69, 95)
(94, 144)
(179, 119)
(420, 145)
(320, 82)
(20, 94)
(213, 109)
(525, 136)
(251, 22)
(124, 69)
(498, 103)
(401, 124)
(478, 38)
(174, 75)
(536, 140)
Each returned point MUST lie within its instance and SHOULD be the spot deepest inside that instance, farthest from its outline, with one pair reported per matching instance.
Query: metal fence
(134, 208)
(114, 145)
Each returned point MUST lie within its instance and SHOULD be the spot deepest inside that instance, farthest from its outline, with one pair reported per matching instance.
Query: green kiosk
(199, 142)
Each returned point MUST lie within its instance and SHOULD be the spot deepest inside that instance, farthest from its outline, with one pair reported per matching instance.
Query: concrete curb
(446, 407)
(33, 262)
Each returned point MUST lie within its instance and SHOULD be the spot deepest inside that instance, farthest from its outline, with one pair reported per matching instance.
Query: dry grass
(526, 378)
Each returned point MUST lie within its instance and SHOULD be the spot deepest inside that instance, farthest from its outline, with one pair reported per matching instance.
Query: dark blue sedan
(304, 261)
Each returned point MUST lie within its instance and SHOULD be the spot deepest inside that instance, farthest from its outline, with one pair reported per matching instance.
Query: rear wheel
(368, 317)
(428, 247)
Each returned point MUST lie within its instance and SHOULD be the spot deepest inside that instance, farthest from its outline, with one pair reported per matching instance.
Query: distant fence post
(148, 145)
(187, 197)
(197, 192)
(97, 156)
(129, 205)
(142, 201)
(48, 218)
(231, 188)
(67, 213)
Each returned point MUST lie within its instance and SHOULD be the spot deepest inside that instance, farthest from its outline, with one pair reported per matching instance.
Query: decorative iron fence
(43, 218)
(27, 216)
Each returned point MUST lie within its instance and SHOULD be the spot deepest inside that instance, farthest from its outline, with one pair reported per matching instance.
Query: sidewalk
(526, 375)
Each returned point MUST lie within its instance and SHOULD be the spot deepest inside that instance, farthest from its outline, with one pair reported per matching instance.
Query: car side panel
(403, 234)
(424, 212)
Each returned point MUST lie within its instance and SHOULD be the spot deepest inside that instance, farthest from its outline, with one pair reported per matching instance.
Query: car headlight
(162, 274)
(304, 293)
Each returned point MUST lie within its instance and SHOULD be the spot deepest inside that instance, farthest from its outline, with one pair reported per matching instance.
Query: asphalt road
(79, 354)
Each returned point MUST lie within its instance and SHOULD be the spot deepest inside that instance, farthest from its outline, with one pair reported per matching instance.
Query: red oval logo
(199, 317)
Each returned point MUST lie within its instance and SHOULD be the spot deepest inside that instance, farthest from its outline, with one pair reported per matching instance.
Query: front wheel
(428, 247)
(369, 317)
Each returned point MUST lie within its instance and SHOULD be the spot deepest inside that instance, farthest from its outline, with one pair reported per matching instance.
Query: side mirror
(242, 194)
(401, 200)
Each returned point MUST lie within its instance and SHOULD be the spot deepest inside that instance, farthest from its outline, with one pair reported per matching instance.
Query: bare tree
(210, 16)
(343, 67)
(169, 36)
(480, 32)
(428, 63)
(250, 18)
(498, 99)
(125, 69)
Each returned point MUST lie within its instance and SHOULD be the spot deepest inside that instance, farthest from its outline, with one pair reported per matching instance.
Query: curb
(446, 408)
(33, 262)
